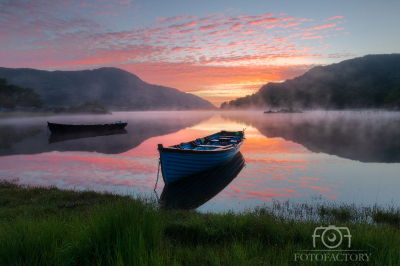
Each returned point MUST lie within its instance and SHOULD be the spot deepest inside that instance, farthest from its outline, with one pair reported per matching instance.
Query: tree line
(12, 96)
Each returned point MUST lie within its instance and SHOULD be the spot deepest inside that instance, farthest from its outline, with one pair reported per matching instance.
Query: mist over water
(351, 157)
(31, 136)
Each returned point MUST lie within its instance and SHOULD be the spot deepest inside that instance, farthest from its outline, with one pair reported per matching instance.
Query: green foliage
(88, 107)
(12, 96)
(394, 97)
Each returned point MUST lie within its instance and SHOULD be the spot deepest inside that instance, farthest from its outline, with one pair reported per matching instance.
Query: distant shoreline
(19, 114)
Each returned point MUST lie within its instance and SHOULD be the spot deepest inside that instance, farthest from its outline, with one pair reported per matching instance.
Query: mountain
(371, 81)
(115, 88)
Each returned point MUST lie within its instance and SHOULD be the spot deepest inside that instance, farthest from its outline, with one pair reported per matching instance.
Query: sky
(218, 50)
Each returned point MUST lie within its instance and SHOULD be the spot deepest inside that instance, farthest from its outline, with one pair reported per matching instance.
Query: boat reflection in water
(58, 137)
(193, 191)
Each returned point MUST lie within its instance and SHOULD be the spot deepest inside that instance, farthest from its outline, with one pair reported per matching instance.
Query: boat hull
(180, 163)
(62, 128)
(195, 190)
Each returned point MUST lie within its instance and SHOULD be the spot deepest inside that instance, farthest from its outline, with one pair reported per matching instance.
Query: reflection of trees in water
(362, 137)
(12, 134)
(140, 128)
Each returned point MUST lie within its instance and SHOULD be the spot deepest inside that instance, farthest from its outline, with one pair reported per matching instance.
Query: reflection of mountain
(193, 191)
(363, 137)
(10, 134)
(141, 126)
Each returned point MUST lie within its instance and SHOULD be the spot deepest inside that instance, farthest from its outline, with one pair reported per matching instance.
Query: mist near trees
(372, 81)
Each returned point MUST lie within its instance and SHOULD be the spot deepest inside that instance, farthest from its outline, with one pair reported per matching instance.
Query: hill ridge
(371, 81)
(115, 88)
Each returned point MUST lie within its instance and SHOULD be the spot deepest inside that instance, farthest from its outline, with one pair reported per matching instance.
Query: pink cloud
(262, 21)
(320, 27)
(291, 24)
(209, 27)
(289, 18)
(335, 17)
(315, 37)
(183, 25)
(235, 26)
(271, 26)
(215, 41)
(187, 31)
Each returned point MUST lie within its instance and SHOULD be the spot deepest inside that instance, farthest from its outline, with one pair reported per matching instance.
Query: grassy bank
(49, 226)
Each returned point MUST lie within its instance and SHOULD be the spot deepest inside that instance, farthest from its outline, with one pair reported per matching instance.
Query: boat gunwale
(217, 150)
(229, 147)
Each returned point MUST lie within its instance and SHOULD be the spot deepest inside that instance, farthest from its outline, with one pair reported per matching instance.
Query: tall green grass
(76, 228)
(49, 226)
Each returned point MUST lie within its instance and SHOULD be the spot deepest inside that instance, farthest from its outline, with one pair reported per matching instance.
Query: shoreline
(51, 226)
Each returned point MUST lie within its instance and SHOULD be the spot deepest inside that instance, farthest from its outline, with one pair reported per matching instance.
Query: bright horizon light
(216, 50)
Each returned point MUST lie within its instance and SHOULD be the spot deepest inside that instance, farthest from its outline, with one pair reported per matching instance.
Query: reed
(49, 226)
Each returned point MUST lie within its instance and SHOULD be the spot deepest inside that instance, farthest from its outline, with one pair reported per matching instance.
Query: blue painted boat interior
(177, 163)
(211, 142)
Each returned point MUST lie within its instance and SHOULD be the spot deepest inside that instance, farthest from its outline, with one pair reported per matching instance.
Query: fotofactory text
(334, 239)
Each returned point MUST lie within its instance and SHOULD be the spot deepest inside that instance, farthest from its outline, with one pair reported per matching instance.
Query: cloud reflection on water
(276, 169)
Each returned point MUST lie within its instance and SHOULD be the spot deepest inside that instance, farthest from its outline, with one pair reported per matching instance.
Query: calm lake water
(345, 157)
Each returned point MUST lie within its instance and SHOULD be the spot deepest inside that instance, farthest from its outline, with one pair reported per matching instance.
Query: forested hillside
(372, 81)
(115, 88)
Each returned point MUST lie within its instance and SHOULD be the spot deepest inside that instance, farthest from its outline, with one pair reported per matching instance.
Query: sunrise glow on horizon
(218, 50)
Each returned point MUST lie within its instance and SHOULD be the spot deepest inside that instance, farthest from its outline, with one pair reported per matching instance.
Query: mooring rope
(158, 173)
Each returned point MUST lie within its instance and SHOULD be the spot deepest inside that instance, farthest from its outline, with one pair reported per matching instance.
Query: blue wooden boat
(195, 190)
(189, 158)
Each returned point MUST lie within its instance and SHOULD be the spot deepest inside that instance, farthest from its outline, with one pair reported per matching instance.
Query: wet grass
(49, 226)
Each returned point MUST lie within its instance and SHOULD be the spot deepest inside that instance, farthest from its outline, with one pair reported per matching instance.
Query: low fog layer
(365, 136)
(30, 135)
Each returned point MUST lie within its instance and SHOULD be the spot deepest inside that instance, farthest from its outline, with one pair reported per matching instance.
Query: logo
(334, 239)
(331, 236)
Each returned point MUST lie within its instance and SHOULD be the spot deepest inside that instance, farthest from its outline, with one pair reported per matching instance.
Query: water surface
(350, 157)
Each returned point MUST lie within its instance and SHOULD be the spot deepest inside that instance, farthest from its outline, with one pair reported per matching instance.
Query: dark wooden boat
(62, 128)
(202, 154)
(193, 191)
